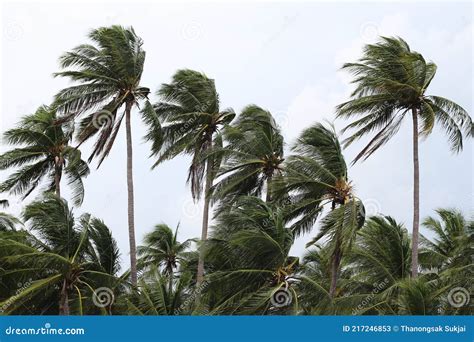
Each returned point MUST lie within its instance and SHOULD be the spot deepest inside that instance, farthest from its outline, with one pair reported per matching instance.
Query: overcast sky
(281, 56)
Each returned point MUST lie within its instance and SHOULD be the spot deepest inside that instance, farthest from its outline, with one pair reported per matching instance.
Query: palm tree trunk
(416, 197)
(57, 175)
(336, 261)
(268, 196)
(170, 285)
(64, 301)
(205, 220)
(131, 204)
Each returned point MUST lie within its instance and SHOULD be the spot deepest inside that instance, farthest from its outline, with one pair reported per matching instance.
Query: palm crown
(315, 175)
(43, 156)
(252, 157)
(391, 81)
(108, 72)
(249, 257)
(162, 249)
(190, 114)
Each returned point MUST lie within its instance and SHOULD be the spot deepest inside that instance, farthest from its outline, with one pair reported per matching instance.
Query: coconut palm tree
(379, 260)
(340, 227)
(191, 119)
(451, 245)
(249, 257)
(382, 251)
(66, 259)
(391, 83)
(315, 280)
(107, 75)
(252, 157)
(155, 297)
(163, 250)
(419, 297)
(43, 154)
(314, 177)
(449, 255)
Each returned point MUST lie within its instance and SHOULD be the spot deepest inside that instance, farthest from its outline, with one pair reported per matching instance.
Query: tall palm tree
(66, 260)
(392, 82)
(252, 157)
(315, 177)
(191, 118)
(107, 73)
(43, 154)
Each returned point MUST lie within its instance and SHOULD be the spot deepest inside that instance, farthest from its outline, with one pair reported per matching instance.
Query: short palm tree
(314, 177)
(449, 252)
(107, 74)
(379, 261)
(191, 119)
(252, 157)
(44, 155)
(154, 295)
(315, 280)
(392, 82)
(420, 296)
(249, 257)
(65, 261)
(382, 251)
(163, 250)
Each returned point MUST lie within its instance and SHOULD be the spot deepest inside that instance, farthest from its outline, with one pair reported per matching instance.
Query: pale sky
(284, 57)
